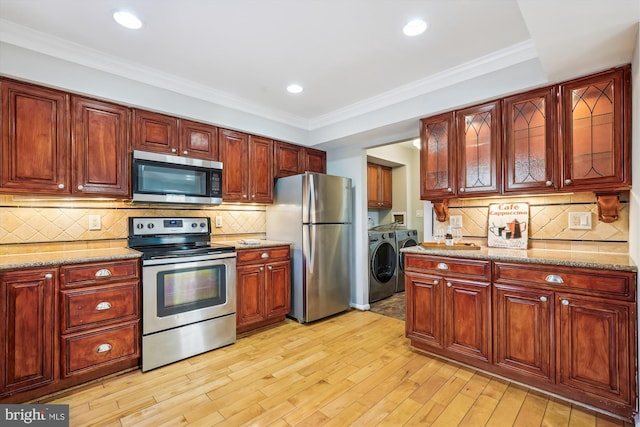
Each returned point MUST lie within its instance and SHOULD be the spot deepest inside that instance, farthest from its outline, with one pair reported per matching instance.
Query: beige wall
(58, 224)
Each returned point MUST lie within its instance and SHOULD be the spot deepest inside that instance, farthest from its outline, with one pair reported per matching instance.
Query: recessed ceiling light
(294, 88)
(127, 19)
(414, 27)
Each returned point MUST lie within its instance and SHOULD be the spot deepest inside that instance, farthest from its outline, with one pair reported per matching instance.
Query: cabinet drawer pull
(103, 348)
(261, 268)
(442, 266)
(543, 299)
(567, 181)
(270, 267)
(103, 272)
(450, 190)
(549, 183)
(449, 284)
(104, 305)
(565, 302)
(185, 152)
(173, 150)
(48, 276)
(61, 186)
(435, 282)
(264, 255)
(554, 278)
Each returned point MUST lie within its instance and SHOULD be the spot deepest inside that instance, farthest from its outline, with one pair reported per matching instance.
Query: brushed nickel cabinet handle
(264, 255)
(270, 267)
(185, 152)
(103, 348)
(543, 299)
(61, 186)
(435, 282)
(449, 284)
(103, 272)
(553, 278)
(549, 183)
(565, 302)
(442, 266)
(104, 305)
(567, 181)
(462, 190)
(173, 150)
(80, 187)
(48, 276)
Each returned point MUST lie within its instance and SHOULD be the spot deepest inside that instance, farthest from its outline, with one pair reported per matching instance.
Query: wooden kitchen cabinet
(291, 159)
(596, 121)
(198, 140)
(530, 124)
(99, 147)
(263, 287)
(479, 137)
(437, 157)
(35, 139)
(448, 307)
(100, 317)
(27, 330)
(248, 167)
(379, 186)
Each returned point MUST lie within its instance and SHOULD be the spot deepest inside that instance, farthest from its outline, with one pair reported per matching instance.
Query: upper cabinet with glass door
(529, 141)
(479, 135)
(437, 157)
(596, 131)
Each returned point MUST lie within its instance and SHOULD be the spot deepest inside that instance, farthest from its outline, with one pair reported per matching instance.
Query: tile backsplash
(548, 222)
(55, 224)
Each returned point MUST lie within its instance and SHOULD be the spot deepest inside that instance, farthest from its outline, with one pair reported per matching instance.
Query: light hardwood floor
(352, 369)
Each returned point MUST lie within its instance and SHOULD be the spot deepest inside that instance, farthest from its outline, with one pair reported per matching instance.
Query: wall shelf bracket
(441, 208)
(608, 206)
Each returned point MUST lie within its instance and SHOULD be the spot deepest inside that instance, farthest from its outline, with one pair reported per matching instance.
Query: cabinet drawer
(96, 349)
(608, 282)
(446, 266)
(90, 274)
(91, 307)
(263, 255)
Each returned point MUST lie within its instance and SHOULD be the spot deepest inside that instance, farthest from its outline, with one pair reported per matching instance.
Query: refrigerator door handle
(311, 204)
(312, 246)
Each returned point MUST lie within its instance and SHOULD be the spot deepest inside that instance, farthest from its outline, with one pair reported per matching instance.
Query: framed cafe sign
(508, 225)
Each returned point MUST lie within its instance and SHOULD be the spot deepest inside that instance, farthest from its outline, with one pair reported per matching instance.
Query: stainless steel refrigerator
(313, 211)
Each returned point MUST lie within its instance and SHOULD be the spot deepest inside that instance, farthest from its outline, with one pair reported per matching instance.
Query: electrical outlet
(455, 221)
(218, 221)
(94, 222)
(579, 220)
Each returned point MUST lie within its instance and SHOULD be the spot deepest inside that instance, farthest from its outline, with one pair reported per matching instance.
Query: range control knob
(150, 225)
(139, 226)
(203, 225)
(194, 225)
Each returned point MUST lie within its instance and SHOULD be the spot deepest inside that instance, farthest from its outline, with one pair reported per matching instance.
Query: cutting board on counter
(455, 247)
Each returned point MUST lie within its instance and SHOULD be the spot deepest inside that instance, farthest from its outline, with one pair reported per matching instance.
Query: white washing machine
(383, 261)
(404, 239)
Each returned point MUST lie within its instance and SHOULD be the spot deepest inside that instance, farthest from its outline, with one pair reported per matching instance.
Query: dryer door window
(383, 262)
(406, 244)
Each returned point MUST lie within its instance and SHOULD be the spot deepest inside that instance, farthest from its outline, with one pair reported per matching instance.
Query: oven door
(179, 292)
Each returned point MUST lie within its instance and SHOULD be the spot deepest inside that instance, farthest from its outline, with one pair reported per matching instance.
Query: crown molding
(494, 61)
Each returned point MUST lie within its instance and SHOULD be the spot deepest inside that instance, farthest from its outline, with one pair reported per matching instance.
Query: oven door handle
(181, 260)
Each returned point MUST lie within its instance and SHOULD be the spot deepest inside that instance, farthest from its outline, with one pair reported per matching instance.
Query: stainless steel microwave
(174, 179)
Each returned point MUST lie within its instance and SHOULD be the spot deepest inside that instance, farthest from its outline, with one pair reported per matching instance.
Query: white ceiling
(350, 55)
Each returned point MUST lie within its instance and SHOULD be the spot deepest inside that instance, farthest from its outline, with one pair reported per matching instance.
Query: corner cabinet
(437, 157)
(379, 180)
(248, 167)
(596, 130)
(264, 287)
(27, 331)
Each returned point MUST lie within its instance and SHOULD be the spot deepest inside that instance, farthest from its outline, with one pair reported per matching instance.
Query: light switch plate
(580, 221)
(218, 221)
(94, 222)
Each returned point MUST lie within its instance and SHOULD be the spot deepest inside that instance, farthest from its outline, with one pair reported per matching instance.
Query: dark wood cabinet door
(594, 352)
(315, 160)
(27, 329)
(379, 183)
(437, 157)
(155, 132)
(288, 159)
(198, 140)
(35, 139)
(250, 295)
(467, 318)
(260, 169)
(596, 131)
(99, 147)
(385, 187)
(234, 153)
(278, 288)
(424, 297)
(524, 331)
(530, 141)
(373, 200)
(478, 147)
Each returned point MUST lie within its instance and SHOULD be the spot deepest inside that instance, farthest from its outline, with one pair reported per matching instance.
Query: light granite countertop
(598, 260)
(45, 259)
